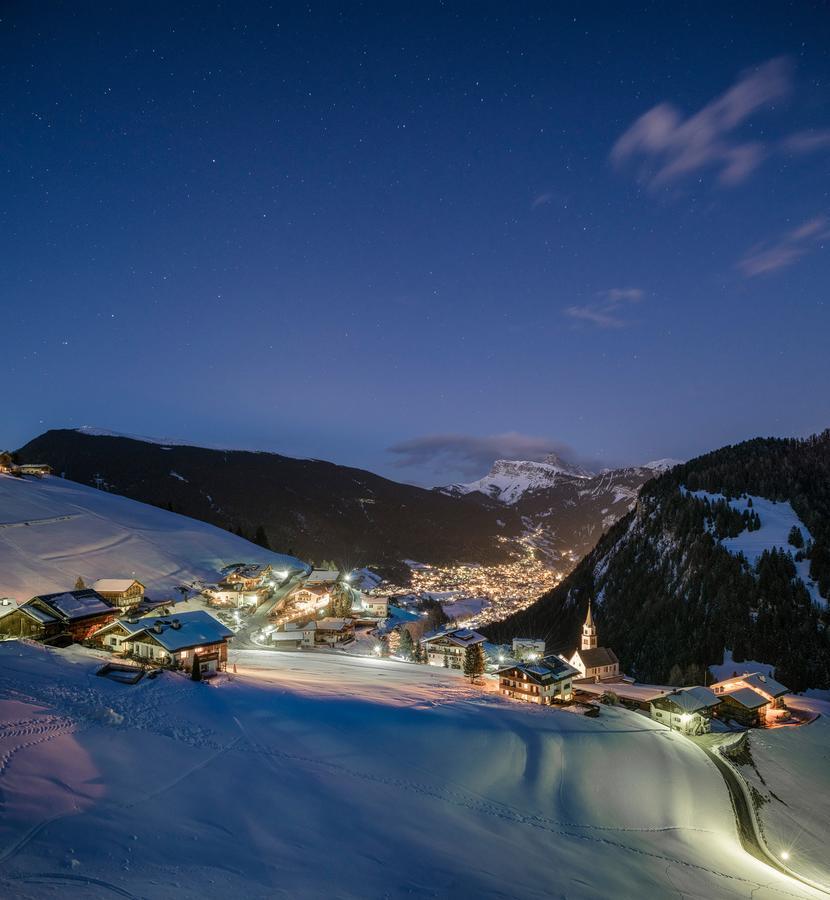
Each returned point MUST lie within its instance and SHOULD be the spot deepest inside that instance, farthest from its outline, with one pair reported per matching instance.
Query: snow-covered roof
(194, 629)
(461, 637)
(747, 697)
(37, 614)
(318, 576)
(331, 624)
(115, 585)
(597, 656)
(766, 684)
(756, 680)
(691, 699)
(551, 668)
(75, 604)
(295, 635)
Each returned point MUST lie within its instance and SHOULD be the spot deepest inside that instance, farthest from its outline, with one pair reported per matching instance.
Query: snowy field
(53, 530)
(777, 519)
(792, 772)
(316, 775)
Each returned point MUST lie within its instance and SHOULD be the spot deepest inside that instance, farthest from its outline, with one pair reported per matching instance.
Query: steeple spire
(589, 631)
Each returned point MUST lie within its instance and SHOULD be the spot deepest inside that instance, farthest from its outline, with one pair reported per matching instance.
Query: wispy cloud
(807, 141)
(770, 256)
(470, 455)
(670, 146)
(605, 311)
(541, 200)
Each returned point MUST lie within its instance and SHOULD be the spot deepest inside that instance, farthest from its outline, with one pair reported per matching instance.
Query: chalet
(687, 710)
(528, 648)
(250, 576)
(37, 469)
(311, 594)
(333, 631)
(550, 680)
(450, 646)
(236, 595)
(322, 576)
(771, 690)
(172, 640)
(294, 636)
(593, 662)
(367, 605)
(125, 593)
(113, 635)
(75, 614)
(745, 706)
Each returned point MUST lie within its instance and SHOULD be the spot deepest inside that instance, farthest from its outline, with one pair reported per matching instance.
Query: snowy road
(310, 775)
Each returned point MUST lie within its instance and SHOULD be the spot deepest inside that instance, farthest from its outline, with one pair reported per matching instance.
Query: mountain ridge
(673, 583)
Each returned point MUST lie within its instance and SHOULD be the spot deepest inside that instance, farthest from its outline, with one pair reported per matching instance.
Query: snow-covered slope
(777, 519)
(509, 479)
(52, 531)
(313, 775)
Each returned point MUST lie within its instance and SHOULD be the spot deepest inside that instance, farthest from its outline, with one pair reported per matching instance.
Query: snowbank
(315, 775)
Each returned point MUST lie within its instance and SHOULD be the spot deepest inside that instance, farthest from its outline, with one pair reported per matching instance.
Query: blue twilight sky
(414, 237)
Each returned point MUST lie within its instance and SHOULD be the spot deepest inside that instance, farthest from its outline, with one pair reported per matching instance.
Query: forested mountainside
(309, 508)
(701, 563)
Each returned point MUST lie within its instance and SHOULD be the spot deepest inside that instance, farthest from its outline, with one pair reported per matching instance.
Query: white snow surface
(320, 775)
(662, 465)
(792, 761)
(52, 531)
(777, 519)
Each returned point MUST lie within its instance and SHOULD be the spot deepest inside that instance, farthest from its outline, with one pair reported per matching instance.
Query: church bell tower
(589, 631)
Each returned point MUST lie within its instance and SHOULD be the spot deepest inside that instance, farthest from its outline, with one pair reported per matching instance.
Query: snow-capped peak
(662, 465)
(509, 479)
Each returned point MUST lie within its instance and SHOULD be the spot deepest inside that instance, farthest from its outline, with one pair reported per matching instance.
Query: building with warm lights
(171, 640)
(771, 690)
(125, 593)
(687, 710)
(71, 615)
(447, 648)
(550, 680)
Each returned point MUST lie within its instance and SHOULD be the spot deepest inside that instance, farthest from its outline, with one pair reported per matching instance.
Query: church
(594, 663)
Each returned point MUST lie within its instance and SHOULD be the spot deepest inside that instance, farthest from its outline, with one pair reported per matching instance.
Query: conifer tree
(446, 659)
(196, 669)
(406, 646)
(261, 538)
(796, 538)
(473, 662)
(80, 584)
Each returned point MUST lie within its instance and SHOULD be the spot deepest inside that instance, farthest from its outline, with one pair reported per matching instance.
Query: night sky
(415, 237)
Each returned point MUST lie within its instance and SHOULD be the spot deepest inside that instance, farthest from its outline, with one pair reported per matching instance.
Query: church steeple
(589, 631)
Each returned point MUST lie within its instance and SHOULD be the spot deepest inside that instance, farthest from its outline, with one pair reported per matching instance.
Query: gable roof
(596, 657)
(460, 637)
(72, 605)
(331, 624)
(765, 683)
(691, 699)
(115, 585)
(746, 697)
(194, 629)
(545, 671)
(39, 615)
(317, 576)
